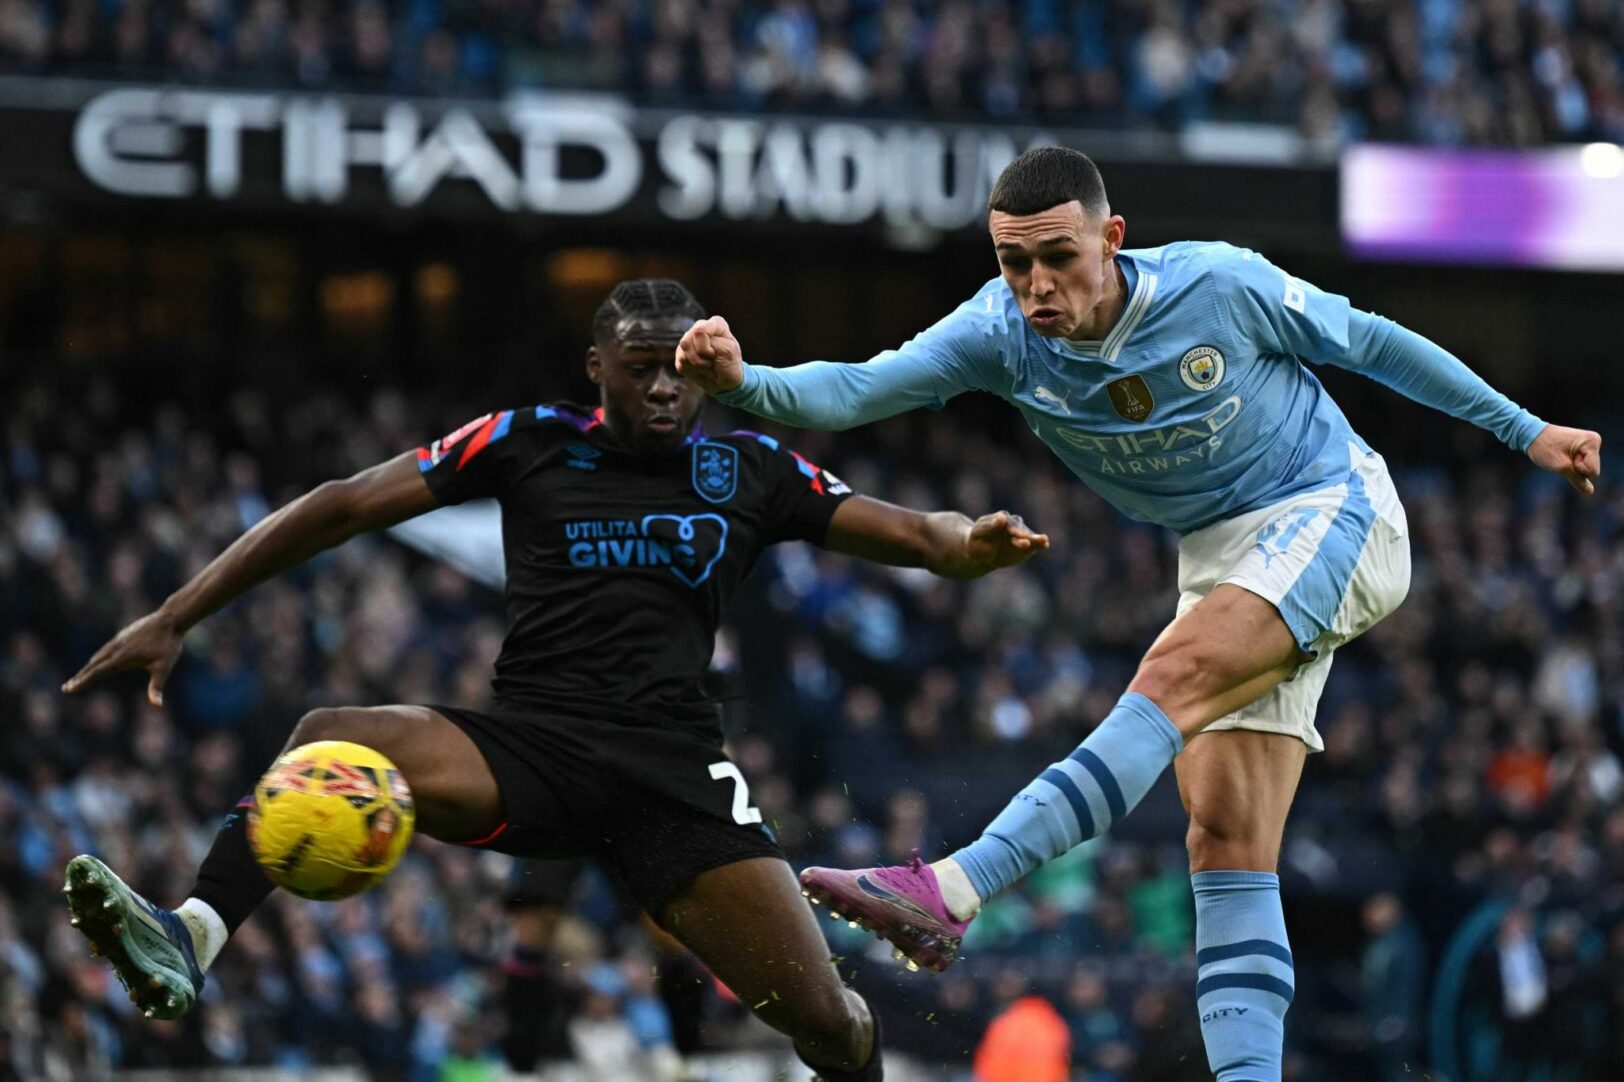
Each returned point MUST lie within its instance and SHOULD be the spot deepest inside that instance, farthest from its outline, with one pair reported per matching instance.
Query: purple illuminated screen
(1560, 207)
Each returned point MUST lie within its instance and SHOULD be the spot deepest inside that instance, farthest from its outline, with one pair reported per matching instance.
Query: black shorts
(655, 807)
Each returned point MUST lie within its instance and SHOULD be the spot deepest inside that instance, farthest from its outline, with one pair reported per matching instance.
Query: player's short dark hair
(1046, 177)
(643, 297)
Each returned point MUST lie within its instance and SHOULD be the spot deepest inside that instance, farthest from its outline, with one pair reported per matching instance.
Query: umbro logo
(583, 456)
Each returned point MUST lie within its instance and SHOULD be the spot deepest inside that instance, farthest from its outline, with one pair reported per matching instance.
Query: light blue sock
(1077, 798)
(1244, 975)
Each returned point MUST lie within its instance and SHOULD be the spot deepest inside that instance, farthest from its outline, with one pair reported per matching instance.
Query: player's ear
(594, 365)
(1116, 231)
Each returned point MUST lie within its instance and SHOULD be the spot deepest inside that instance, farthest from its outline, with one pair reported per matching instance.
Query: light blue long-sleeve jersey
(1195, 408)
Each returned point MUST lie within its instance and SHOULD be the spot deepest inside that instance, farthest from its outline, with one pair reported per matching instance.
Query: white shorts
(1334, 561)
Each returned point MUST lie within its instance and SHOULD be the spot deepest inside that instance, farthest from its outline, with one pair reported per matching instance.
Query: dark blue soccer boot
(150, 949)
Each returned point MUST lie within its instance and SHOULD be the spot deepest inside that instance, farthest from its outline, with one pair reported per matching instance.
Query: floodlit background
(249, 245)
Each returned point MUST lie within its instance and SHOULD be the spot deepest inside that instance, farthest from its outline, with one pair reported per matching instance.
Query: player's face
(646, 403)
(1058, 264)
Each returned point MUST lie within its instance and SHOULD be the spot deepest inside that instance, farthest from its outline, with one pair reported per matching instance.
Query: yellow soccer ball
(330, 819)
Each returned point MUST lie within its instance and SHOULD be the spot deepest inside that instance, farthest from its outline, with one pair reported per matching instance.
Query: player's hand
(152, 643)
(710, 357)
(1001, 539)
(1575, 453)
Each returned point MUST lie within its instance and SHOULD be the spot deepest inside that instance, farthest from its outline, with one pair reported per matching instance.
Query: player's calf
(747, 922)
(840, 1031)
(1238, 787)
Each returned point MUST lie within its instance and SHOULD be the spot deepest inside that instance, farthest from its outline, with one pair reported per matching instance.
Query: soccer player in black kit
(626, 529)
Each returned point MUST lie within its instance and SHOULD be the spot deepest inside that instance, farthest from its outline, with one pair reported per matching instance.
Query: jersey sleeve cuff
(744, 393)
(829, 506)
(442, 485)
(1524, 430)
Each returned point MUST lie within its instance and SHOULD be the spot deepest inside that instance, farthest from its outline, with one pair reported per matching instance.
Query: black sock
(534, 1005)
(684, 989)
(230, 880)
(872, 1071)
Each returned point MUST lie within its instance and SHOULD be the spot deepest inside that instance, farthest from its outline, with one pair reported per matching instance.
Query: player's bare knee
(324, 723)
(833, 1024)
(338, 723)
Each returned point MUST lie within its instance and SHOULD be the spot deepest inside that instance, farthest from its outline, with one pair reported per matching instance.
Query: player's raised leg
(1237, 786)
(1226, 651)
(747, 922)
(161, 955)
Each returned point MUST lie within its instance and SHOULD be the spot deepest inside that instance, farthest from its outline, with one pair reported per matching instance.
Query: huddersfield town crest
(1202, 368)
(716, 471)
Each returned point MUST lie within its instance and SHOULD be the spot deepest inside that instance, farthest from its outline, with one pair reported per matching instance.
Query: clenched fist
(710, 357)
(1574, 453)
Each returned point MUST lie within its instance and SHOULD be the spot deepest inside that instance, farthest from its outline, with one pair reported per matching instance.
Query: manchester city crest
(716, 471)
(1202, 368)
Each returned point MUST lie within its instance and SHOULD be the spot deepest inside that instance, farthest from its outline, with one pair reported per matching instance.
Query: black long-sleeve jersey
(619, 564)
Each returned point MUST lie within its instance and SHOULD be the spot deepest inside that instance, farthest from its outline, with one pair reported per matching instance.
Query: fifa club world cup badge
(1202, 368)
(1131, 398)
(716, 471)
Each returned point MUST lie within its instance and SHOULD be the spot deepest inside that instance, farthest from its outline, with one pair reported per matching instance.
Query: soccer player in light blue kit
(1171, 380)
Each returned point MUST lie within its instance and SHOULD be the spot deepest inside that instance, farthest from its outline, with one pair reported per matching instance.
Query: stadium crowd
(1439, 71)
(1471, 768)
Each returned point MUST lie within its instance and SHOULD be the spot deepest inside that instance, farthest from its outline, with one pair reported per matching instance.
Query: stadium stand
(1440, 71)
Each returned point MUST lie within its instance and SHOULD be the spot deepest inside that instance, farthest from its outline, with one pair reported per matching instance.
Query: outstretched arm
(945, 542)
(321, 519)
(1419, 369)
(927, 371)
(1286, 315)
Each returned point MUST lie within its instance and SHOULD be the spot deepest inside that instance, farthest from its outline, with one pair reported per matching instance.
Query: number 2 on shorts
(743, 813)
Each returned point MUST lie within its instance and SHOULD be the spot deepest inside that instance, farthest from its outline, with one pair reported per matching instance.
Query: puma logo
(1046, 395)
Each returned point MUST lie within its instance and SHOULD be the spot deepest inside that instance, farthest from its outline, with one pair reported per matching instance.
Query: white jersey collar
(1144, 289)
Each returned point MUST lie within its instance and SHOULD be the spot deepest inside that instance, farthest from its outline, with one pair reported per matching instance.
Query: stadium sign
(571, 156)
(836, 173)
(539, 160)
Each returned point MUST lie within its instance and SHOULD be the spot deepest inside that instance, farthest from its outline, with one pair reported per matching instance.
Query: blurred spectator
(1029, 1042)
(1168, 1036)
(1524, 993)
(622, 1033)
(1445, 71)
(1392, 975)
(1099, 1033)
